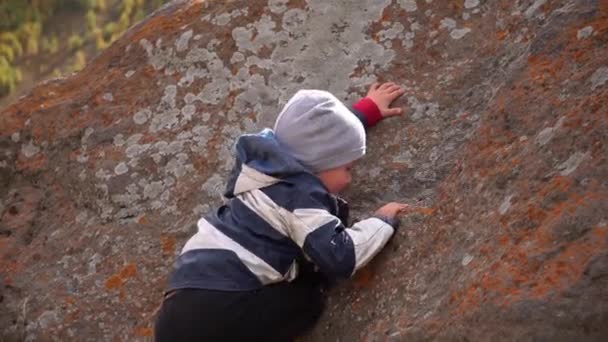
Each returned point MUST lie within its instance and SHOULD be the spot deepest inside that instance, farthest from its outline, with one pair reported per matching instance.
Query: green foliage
(75, 5)
(10, 40)
(100, 42)
(109, 30)
(50, 45)
(10, 47)
(13, 13)
(78, 62)
(29, 33)
(7, 53)
(22, 23)
(91, 19)
(89, 4)
(100, 5)
(157, 3)
(139, 15)
(123, 22)
(75, 42)
(9, 77)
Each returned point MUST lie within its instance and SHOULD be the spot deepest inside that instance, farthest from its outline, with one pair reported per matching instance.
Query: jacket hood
(260, 162)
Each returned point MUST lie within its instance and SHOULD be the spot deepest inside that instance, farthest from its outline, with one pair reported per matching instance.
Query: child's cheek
(346, 183)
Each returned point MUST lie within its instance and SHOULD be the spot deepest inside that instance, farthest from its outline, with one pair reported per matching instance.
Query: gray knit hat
(319, 131)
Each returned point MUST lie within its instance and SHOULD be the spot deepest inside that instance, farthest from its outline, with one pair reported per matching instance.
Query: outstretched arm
(376, 105)
(337, 250)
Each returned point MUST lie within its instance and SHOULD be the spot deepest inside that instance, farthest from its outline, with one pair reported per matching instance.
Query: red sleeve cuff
(370, 110)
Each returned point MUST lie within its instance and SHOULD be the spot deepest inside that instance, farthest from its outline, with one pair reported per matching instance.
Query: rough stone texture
(103, 174)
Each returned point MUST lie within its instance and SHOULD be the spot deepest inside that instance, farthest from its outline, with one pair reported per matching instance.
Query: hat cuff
(334, 161)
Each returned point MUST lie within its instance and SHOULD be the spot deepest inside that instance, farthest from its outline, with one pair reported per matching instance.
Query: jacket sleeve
(337, 251)
(367, 111)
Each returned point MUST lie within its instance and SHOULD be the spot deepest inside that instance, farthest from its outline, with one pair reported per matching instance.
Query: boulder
(104, 173)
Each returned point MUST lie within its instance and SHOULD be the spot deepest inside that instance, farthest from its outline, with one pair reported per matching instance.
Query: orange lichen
(535, 214)
(363, 277)
(517, 275)
(567, 266)
(117, 280)
(398, 166)
(522, 271)
(167, 23)
(4, 241)
(7, 268)
(142, 220)
(502, 34)
(34, 163)
(128, 271)
(167, 244)
(542, 68)
(420, 210)
(557, 183)
(143, 332)
(113, 282)
(456, 6)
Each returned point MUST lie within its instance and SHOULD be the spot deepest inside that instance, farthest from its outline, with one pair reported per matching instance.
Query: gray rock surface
(104, 173)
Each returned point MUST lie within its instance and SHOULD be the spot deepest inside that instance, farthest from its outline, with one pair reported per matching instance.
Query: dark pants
(277, 312)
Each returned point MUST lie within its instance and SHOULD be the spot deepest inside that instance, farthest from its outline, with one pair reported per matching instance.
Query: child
(250, 272)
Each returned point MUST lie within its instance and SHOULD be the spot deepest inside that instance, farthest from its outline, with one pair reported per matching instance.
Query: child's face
(337, 179)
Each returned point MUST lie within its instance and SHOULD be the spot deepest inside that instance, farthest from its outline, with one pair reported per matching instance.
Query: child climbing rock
(254, 270)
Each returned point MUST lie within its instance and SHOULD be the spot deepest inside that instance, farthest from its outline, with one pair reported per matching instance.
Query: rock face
(103, 174)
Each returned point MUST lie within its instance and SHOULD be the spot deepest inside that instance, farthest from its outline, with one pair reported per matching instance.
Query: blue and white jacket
(277, 214)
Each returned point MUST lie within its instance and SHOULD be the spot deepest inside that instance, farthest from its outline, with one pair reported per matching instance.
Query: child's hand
(383, 95)
(389, 212)
(392, 209)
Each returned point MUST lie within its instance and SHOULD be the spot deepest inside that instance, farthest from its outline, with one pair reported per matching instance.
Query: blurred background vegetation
(48, 38)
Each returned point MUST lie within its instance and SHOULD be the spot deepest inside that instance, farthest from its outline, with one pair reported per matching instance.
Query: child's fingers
(405, 208)
(394, 88)
(402, 208)
(386, 86)
(393, 111)
(396, 93)
(374, 86)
